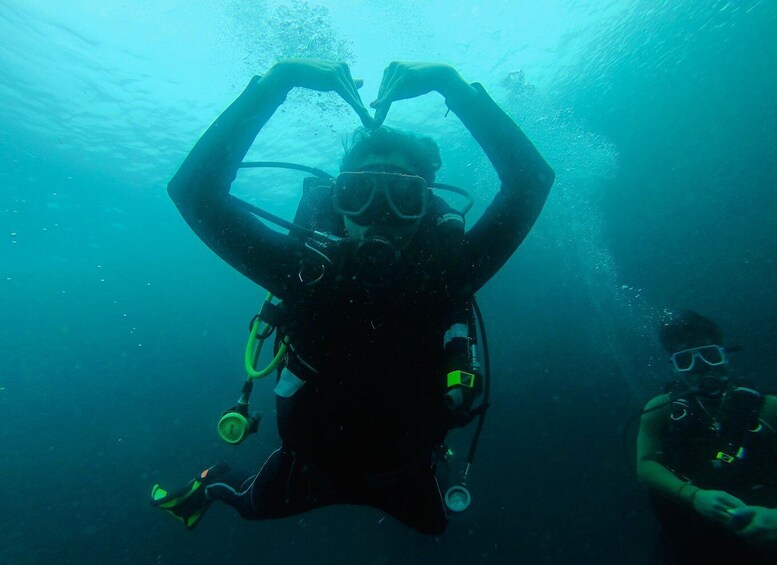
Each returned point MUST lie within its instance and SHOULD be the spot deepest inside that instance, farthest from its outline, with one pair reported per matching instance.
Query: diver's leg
(241, 495)
(286, 484)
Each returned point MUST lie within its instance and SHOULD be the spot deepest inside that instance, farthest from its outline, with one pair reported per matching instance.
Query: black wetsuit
(691, 448)
(362, 427)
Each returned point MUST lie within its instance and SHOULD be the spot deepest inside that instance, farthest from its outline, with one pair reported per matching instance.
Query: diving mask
(711, 355)
(370, 197)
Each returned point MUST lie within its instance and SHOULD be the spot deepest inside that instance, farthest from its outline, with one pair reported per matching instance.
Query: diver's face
(381, 221)
(706, 363)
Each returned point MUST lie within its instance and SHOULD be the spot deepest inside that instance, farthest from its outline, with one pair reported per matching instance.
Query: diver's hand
(402, 80)
(324, 76)
(760, 523)
(715, 504)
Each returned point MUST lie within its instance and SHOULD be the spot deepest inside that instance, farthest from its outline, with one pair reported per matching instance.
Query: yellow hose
(253, 350)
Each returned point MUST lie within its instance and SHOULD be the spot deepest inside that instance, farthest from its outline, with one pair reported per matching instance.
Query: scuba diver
(707, 452)
(376, 280)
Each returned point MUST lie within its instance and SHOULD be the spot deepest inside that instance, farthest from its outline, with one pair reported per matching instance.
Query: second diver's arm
(650, 472)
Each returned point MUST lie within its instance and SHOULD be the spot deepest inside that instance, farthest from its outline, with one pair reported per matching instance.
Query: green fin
(187, 505)
(157, 494)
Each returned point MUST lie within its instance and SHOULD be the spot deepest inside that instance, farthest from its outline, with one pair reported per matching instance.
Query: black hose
(486, 382)
(270, 217)
(282, 165)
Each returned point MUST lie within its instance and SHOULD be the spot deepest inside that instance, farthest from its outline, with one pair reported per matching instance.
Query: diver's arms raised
(200, 188)
(525, 183)
(526, 177)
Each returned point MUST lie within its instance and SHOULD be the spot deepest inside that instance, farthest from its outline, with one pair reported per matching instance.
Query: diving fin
(189, 503)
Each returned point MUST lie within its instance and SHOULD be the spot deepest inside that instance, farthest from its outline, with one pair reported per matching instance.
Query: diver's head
(694, 344)
(382, 190)
(383, 193)
(416, 154)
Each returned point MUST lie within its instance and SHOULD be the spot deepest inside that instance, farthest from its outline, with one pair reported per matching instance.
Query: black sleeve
(526, 180)
(200, 191)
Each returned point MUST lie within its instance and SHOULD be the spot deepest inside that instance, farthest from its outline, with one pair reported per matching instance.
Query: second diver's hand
(715, 504)
(320, 75)
(402, 80)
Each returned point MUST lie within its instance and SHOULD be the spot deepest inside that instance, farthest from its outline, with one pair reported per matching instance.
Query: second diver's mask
(711, 355)
(381, 212)
(704, 368)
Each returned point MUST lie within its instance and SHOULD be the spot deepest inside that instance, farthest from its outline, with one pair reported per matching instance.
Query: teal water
(122, 333)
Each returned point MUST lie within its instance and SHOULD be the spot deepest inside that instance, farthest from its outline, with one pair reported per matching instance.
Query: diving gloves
(189, 503)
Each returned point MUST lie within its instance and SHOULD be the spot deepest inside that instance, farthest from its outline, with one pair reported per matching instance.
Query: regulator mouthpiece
(377, 257)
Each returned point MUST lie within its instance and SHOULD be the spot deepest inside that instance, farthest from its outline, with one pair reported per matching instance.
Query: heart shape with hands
(401, 80)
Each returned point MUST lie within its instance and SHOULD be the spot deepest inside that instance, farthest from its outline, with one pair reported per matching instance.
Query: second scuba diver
(707, 452)
(372, 330)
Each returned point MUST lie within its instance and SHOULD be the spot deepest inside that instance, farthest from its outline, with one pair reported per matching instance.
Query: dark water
(122, 333)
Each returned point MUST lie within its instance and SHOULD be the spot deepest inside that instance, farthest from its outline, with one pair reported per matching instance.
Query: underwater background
(122, 335)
